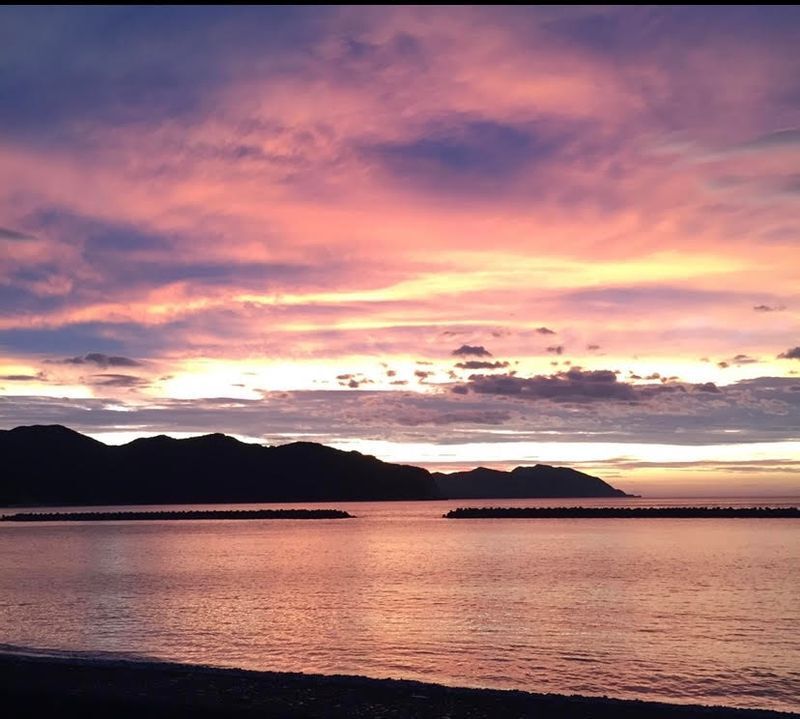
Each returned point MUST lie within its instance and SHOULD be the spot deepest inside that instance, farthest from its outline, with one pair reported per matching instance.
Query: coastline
(78, 685)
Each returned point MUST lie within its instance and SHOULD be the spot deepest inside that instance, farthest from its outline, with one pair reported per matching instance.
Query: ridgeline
(56, 466)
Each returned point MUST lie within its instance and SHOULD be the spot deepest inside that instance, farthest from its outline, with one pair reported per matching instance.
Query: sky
(445, 236)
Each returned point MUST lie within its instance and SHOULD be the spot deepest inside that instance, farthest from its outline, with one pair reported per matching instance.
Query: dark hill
(523, 482)
(53, 465)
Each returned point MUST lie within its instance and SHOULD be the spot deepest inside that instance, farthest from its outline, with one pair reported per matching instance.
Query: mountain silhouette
(54, 465)
(541, 479)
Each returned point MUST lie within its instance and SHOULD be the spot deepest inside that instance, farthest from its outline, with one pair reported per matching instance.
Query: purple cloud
(470, 350)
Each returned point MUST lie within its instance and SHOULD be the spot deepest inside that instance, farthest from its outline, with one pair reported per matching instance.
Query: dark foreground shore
(65, 686)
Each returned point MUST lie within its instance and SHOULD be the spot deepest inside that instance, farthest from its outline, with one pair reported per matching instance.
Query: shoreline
(80, 685)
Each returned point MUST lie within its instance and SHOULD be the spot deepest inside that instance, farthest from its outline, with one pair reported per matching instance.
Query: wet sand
(37, 686)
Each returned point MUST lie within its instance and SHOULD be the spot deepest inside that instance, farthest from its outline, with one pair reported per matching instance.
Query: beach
(32, 685)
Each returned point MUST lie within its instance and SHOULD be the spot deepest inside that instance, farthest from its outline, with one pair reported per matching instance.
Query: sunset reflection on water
(677, 610)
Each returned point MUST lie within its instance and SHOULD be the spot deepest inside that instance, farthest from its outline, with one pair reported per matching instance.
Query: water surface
(690, 610)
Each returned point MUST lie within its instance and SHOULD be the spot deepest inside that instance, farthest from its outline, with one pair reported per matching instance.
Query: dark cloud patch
(96, 236)
(556, 349)
(100, 359)
(658, 31)
(478, 364)
(790, 184)
(737, 361)
(651, 377)
(240, 274)
(18, 296)
(604, 299)
(391, 373)
(116, 255)
(112, 66)
(476, 154)
(360, 58)
(399, 382)
(28, 275)
(769, 308)
(599, 31)
(118, 380)
(574, 385)
(741, 359)
(467, 416)
(38, 377)
(348, 380)
(707, 387)
(422, 375)
(592, 348)
(545, 331)
(14, 235)
(460, 389)
(115, 338)
(69, 338)
(493, 417)
(789, 137)
(353, 381)
(471, 351)
(649, 391)
(793, 353)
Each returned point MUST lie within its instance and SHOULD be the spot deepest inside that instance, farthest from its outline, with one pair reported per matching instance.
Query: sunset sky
(445, 236)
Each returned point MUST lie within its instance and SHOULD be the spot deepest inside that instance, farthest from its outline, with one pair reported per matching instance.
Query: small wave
(49, 653)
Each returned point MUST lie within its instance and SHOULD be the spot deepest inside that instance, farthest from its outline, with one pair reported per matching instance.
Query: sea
(681, 610)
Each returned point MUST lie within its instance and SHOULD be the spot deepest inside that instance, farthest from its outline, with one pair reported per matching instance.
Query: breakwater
(178, 514)
(623, 513)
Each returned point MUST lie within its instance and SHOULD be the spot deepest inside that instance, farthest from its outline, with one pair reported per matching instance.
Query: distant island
(51, 465)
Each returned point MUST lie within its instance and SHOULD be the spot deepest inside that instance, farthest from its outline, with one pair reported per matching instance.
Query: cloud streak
(99, 359)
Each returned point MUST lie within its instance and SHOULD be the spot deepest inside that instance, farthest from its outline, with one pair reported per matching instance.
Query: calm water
(679, 610)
